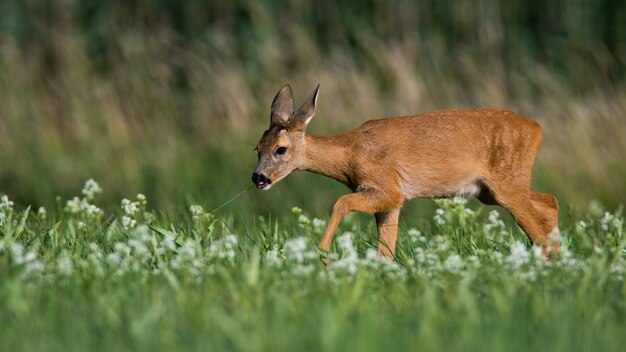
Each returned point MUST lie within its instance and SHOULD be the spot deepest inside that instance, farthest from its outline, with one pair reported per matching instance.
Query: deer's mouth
(263, 186)
(261, 182)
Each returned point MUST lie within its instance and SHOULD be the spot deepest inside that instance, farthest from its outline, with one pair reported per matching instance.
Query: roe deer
(484, 153)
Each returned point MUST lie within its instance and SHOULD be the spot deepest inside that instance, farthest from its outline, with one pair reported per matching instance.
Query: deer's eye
(280, 151)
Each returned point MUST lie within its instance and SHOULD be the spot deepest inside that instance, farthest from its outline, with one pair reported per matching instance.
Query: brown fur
(485, 153)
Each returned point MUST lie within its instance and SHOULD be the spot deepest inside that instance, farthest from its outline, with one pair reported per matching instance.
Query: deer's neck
(329, 156)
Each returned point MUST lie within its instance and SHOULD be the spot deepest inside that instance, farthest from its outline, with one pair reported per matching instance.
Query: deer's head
(282, 147)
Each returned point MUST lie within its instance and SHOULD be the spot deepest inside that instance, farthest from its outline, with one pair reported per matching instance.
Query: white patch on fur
(469, 189)
(465, 189)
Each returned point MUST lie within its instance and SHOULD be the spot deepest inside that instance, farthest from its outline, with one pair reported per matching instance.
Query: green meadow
(123, 125)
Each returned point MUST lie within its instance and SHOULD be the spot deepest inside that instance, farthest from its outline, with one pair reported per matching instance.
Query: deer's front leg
(368, 201)
(387, 223)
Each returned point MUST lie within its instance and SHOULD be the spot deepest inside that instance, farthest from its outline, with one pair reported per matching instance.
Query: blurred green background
(169, 97)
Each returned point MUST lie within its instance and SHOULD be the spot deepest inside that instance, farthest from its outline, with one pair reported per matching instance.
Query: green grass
(83, 278)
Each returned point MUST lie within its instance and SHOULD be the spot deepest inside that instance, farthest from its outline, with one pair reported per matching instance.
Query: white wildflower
(33, 266)
(555, 235)
(495, 225)
(187, 254)
(301, 269)
(371, 255)
(303, 220)
(420, 256)
(91, 210)
(65, 265)
(453, 264)
(132, 212)
(139, 248)
(459, 201)
(345, 243)
(17, 253)
(272, 258)
(91, 189)
(121, 248)
(128, 223)
(610, 222)
(73, 206)
(224, 248)
(442, 244)
(388, 266)
(439, 217)
(6, 205)
(130, 208)
(6, 208)
(29, 257)
(299, 254)
(537, 253)
(518, 256)
(415, 235)
(318, 225)
(42, 213)
(114, 258)
(79, 206)
(296, 250)
(349, 259)
(497, 256)
(142, 233)
(169, 244)
(196, 210)
(473, 261)
(93, 247)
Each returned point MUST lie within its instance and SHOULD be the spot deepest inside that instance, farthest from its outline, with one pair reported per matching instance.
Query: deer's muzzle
(260, 181)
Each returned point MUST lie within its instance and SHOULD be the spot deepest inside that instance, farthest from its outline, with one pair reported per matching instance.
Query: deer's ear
(305, 113)
(282, 106)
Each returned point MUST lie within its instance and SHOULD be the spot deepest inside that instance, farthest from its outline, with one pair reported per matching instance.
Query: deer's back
(445, 152)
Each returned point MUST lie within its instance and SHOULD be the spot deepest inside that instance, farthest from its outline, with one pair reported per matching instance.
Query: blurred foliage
(166, 97)
(550, 33)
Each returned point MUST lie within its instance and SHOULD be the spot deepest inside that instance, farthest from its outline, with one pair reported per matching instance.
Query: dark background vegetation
(169, 97)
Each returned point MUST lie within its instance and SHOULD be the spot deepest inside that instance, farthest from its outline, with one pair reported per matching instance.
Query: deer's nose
(259, 178)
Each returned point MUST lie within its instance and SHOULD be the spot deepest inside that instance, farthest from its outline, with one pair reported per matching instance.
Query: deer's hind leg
(547, 205)
(535, 213)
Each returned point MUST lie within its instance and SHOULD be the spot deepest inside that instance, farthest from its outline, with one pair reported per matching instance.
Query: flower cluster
(6, 209)
(83, 208)
(495, 227)
(459, 245)
(453, 212)
(135, 212)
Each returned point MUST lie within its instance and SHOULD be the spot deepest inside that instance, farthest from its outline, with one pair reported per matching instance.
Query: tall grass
(125, 278)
